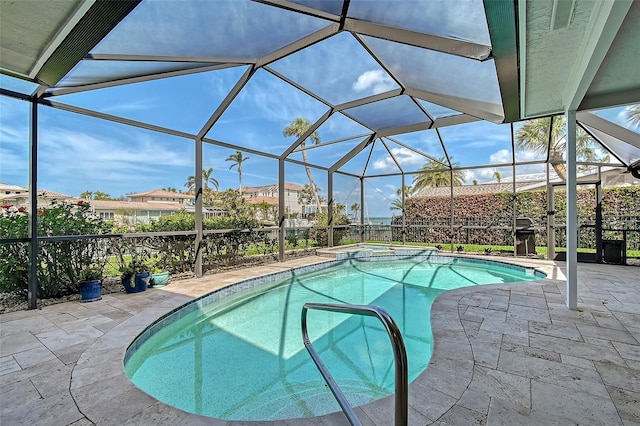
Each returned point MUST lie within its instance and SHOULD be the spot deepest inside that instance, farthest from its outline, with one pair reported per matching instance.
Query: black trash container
(614, 252)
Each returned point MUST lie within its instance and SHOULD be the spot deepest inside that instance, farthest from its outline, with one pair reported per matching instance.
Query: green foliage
(322, 220)
(429, 218)
(60, 262)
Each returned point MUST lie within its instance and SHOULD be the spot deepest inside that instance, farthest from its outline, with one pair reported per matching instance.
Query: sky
(79, 153)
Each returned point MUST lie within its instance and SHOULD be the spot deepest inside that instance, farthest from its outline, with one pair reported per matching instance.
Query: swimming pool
(238, 354)
(360, 250)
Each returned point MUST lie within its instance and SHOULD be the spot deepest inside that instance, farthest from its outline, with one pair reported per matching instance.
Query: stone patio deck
(504, 355)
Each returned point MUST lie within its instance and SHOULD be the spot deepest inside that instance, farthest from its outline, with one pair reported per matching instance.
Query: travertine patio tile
(578, 362)
(53, 381)
(8, 365)
(27, 373)
(58, 409)
(567, 331)
(502, 385)
(627, 403)
(627, 351)
(629, 320)
(562, 314)
(513, 327)
(608, 320)
(566, 407)
(459, 415)
(589, 331)
(36, 323)
(492, 314)
(573, 378)
(474, 400)
(525, 313)
(619, 376)
(577, 349)
(528, 301)
(31, 357)
(20, 342)
(58, 339)
(70, 354)
(429, 401)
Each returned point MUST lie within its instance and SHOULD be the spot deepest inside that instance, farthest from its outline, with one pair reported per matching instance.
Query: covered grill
(525, 236)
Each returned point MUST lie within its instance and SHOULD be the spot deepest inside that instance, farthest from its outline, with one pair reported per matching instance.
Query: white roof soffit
(559, 65)
(67, 37)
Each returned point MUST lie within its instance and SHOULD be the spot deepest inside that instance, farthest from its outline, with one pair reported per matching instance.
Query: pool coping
(432, 393)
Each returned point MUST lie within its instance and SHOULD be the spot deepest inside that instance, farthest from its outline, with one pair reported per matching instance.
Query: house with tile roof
(270, 194)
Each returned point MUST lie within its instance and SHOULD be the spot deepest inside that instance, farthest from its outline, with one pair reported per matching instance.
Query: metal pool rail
(399, 352)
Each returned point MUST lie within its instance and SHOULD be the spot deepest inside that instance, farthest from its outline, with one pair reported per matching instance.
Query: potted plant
(159, 271)
(90, 283)
(136, 276)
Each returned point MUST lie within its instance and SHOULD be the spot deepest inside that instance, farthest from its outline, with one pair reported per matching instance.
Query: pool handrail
(399, 352)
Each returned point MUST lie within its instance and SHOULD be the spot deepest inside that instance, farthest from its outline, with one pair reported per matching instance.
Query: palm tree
(99, 195)
(206, 180)
(87, 195)
(534, 136)
(297, 128)
(436, 173)
(355, 207)
(497, 175)
(632, 113)
(237, 159)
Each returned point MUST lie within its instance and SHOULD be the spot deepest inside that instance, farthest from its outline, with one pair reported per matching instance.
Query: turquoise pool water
(242, 357)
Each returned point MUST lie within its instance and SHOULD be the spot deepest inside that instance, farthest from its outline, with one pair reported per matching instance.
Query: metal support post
(572, 213)
(281, 193)
(32, 290)
(198, 211)
(330, 209)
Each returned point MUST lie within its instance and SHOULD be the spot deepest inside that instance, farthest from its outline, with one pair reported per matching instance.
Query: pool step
(306, 399)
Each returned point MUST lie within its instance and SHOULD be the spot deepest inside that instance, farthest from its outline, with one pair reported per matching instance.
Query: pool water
(243, 358)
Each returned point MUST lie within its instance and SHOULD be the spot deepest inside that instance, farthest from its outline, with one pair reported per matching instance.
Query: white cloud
(146, 104)
(404, 156)
(375, 81)
(501, 157)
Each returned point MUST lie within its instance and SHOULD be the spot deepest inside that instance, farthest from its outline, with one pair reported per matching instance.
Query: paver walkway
(504, 354)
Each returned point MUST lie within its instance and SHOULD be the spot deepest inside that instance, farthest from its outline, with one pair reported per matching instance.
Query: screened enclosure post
(281, 190)
(361, 209)
(572, 213)
(551, 218)
(599, 217)
(199, 200)
(404, 233)
(513, 193)
(330, 209)
(451, 214)
(32, 288)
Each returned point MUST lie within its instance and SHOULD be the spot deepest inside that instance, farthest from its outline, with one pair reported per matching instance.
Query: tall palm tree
(355, 208)
(237, 159)
(297, 128)
(436, 173)
(207, 179)
(632, 114)
(534, 136)
(497, 175)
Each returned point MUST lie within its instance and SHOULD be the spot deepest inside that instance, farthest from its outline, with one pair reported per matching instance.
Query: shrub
(60, 262)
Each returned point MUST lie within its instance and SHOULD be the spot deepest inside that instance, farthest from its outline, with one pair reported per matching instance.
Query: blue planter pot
(90, 291)
(137, 283)
(159, 279)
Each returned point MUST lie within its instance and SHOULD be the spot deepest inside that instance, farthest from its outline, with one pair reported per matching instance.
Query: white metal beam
(607, 18)
(451, 46)
(572, 213)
